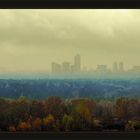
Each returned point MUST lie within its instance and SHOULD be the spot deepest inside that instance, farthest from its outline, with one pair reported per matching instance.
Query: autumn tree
(24, 126)
(55, 106)
(49, 123)
(12, 128)
(36, 124)
(134, 109)
(129, 126)
(127, 108)
(17, 110)
(4, 106)
(85, 107)
(83, 113)
(107, 110)
(37, 109)
(23, 108)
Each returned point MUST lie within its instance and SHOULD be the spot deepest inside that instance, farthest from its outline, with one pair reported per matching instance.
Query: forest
(77, 114)
(70, 88)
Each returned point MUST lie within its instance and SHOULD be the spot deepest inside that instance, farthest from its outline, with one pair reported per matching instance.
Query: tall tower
(77, 63)
(115, 67)
(121, 67)
(66, 67)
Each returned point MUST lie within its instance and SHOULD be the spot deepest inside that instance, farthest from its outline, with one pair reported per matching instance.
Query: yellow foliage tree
(49, 122)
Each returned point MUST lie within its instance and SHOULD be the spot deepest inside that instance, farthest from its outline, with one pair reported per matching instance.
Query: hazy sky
(31, 39)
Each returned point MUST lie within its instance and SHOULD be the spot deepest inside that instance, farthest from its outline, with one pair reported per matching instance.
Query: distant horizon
(83, 69)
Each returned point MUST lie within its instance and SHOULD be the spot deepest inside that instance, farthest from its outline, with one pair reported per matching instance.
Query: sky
(30, 40)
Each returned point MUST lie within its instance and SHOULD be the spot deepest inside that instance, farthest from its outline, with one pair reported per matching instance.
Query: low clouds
(100, 36)
(75, 27)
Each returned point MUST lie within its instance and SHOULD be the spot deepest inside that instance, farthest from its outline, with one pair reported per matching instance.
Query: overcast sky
(31, 39)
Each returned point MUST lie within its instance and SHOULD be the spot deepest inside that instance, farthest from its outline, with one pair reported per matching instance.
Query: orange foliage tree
(24, 126)
(36, 124)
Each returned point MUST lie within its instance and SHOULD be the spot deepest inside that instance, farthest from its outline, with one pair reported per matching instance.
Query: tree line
(57, 114)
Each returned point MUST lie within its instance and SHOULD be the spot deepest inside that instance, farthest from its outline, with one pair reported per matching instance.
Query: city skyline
(68, 67)
(76, 66)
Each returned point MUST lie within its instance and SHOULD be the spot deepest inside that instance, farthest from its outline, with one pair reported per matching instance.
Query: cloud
(112, 34)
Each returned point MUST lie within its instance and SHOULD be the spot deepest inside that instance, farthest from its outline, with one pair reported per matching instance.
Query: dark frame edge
(71, 135)
(69, 4)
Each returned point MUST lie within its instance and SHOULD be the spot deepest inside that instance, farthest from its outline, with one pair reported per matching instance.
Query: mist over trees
(66, 88)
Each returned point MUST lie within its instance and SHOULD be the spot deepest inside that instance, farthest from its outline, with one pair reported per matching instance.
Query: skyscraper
(77, 63)
(66, 67)
(115, 67)
(56, 68)
(121, 67)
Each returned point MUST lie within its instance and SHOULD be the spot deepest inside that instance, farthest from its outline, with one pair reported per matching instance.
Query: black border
(70, 4)
(70, 135)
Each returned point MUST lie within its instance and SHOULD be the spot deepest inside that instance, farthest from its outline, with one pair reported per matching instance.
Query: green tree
(67, 122)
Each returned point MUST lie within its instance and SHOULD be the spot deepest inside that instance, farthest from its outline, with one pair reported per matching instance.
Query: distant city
(75, 69)
(68, 68)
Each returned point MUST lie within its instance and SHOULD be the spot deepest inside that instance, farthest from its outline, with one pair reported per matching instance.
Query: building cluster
(135, 69)
(67, 67)
(117, 68)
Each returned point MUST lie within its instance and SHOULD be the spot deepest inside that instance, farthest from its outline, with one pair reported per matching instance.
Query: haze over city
(31, 40)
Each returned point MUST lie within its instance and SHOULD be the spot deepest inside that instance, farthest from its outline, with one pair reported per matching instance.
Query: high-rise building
(66, 67)
(56, 68)
(77, 63)
(115, 67)
(121, 67)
